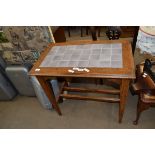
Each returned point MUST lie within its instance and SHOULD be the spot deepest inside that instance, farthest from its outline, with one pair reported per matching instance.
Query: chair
(113, 32)
(89, 30)
(144, 87)
(81, 28)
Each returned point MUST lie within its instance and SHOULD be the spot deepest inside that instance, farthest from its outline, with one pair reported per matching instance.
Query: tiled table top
(88, 55)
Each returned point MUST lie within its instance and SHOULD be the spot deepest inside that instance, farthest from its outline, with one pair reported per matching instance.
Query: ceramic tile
(72, 63)
(77, 51)
(97, 46)
(106, 46)
(83, 63)
(67, 57)
(68, 51)
(116, 45)
(79, 47)
(87, 51)
(105, 57)
(104, 64)
(53, 64)
(45, 63)
(93, 63)
(96, 51)
(116, 64)
(87, 46)
(84, 57)
(51, 52)
(63, 64)
(57, 57)
(106, 51)
(71, 47)
(116, 51)
(75, 56)
(94, 55)
(117, 57)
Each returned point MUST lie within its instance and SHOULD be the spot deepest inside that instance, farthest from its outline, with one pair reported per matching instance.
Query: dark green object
(3, 39)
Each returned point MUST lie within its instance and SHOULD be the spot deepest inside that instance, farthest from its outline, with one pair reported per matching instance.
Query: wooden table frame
(124, 74)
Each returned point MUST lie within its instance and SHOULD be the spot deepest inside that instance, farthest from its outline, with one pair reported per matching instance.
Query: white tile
(63, 64)
(93, 63)
(116, 64)
(84, 57)
(104, 64)
(94, 57)
(117, 45)
(72, 63)
(83, 63)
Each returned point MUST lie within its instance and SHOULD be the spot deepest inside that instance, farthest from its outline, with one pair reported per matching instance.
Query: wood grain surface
(126, 72)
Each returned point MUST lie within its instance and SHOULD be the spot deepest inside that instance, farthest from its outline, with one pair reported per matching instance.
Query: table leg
(123, 96)
(49, 92)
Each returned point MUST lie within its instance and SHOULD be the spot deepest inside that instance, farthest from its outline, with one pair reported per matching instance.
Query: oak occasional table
(86, 59)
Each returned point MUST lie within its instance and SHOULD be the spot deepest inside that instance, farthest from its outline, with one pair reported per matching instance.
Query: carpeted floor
(26, 112)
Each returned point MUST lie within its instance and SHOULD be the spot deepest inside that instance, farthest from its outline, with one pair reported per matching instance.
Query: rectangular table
(86, 59)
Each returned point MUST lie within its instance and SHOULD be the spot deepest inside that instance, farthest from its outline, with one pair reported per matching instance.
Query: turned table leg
(49, 92)
(123, 97)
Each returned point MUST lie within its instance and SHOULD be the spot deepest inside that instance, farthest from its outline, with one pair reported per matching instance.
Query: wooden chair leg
(138, 113)
(81, 32)
(87, 28)
(140, 108)
(93, 33)
(99, 30)
(69, 34)
(101, 81)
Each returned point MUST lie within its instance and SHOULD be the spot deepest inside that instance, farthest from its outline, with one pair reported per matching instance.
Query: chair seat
(144, 87)
(147, 98)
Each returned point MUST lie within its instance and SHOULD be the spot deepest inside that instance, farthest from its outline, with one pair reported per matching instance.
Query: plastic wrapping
(41, 96)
